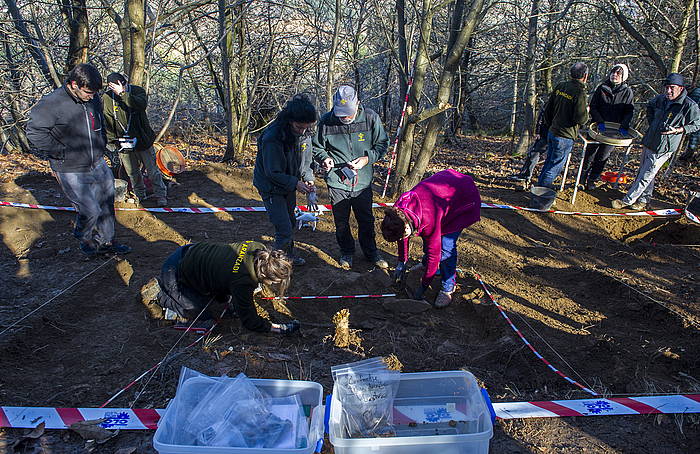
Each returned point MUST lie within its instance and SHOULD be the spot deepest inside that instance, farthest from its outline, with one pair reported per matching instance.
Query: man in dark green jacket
(566, 111)
(349, 140)
(130, 134)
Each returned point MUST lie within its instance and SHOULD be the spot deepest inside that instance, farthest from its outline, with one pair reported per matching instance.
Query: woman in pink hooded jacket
(437, 210)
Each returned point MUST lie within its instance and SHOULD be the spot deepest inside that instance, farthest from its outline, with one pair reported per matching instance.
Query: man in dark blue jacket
(67, 127)
(283, 167)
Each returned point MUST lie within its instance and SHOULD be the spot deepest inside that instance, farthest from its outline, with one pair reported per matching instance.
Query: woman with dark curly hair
(437, 209)
(197, 274)
(283, 167)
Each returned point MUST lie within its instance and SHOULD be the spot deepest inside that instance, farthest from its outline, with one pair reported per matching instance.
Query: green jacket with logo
(128, 112)
(365, 136)
(567, 109)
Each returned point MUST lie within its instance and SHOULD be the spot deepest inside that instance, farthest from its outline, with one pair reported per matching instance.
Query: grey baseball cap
(345, 101)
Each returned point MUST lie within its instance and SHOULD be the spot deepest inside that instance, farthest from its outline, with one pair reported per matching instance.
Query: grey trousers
(643, 185)
(132, 162)
(92, 195)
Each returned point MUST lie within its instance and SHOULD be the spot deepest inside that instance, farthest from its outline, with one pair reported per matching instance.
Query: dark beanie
(675, 79)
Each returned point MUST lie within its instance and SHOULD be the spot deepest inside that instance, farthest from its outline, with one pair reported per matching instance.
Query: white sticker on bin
(429, 414)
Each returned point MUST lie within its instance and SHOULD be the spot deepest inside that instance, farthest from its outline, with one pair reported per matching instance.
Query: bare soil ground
(612, 302)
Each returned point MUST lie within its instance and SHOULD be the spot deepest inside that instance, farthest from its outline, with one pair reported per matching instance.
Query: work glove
(312, 201)
(624, 132)
(420, 292)
(601, 127)
(285, 328)
(400, 273)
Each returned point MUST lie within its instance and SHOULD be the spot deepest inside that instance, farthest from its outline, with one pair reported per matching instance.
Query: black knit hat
(675, 79)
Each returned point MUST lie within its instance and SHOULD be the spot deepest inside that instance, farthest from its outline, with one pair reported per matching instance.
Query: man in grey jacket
(67, 127)
(670, 115)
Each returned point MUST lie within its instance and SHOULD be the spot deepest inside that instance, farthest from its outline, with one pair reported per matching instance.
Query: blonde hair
(274, 270)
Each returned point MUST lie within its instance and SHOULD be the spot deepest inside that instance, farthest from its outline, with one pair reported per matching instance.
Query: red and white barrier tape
(532, 349)
(331, 297)
(646, 405)
(260, 209)
(147, 419)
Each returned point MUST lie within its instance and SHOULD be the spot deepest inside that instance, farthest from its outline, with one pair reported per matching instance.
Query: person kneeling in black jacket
(198, 274)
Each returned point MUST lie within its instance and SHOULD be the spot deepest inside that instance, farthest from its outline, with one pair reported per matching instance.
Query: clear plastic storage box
(310, 393)
(434, 412)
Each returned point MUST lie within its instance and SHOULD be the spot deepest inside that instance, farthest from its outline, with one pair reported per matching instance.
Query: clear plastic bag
(232, 412)
(366, 391)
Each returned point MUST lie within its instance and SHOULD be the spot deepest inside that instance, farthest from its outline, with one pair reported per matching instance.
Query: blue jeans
(558, 149)
(448, 261)
(92, 195)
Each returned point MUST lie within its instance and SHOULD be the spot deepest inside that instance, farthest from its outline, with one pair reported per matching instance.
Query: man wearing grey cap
(348, 141)
(670, 115)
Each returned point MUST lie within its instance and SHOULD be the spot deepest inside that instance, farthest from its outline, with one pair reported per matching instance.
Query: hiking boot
(639, 206)
(379, 262)
(114, 248)
(198, 327)
(516, 177)
(618, 203)
(443, 299)
(345, 262)
(285, 328)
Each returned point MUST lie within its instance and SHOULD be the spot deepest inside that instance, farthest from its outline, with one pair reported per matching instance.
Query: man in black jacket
(67, 127)
(283, 167)
(612, 101)
(129, 133)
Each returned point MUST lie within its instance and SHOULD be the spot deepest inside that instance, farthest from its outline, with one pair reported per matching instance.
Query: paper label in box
(429, 413)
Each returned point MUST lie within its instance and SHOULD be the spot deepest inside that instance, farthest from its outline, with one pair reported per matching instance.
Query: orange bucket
(169, 160)
(613, 177)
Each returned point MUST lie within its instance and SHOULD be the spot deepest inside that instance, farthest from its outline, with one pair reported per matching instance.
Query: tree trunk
(530, 81)
(34, 47)
(75, 16)
(137, 41)
(330, 74)
(436, 122)
(405, 146)
(14, 96)
(226, 43)
(240, 103)
(403, 50)
(514, 100)
(681, 36)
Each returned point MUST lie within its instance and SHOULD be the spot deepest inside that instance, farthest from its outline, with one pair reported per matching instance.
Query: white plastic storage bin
(310, 393)
(434, 412)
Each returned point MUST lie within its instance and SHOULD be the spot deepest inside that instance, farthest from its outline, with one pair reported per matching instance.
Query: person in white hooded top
(612, 101)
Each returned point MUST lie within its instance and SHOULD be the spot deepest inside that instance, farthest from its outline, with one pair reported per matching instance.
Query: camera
(348, 173)
(127, 143)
